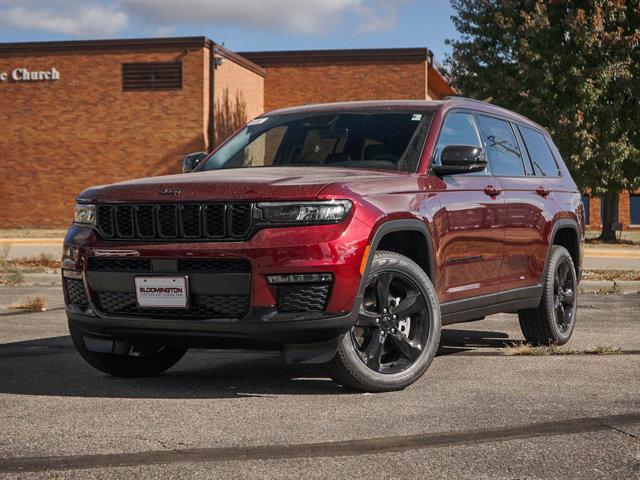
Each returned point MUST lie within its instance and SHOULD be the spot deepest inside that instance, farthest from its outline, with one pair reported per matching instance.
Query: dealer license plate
(161, 292)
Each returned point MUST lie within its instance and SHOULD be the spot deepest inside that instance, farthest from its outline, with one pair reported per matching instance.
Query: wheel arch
(402, 230)
(566, 233)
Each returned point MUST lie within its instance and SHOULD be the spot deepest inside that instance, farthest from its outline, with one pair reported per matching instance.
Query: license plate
(161, 292)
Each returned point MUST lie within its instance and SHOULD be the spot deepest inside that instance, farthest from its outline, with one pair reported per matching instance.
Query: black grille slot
(240, 219)
(302, 298)
(202, 306)
(111, 264)
(190, 219)
(76, 294)
(213, 265)
(187, 221)
(168, 221)
(215, 220)
(124, 221)
(145, 221)
(105, 220)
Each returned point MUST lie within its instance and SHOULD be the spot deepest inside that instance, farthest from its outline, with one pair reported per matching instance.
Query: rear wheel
(397, 331)
(138, 362)
(553, 321)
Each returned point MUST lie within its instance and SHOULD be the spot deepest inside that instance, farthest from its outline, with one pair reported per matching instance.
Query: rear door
(528, 205)
(470, 223)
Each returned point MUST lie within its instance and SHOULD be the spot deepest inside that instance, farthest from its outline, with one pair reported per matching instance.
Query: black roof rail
(456, 97)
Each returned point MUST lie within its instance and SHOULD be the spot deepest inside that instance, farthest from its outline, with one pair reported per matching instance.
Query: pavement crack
(330, 449)
(619, 430)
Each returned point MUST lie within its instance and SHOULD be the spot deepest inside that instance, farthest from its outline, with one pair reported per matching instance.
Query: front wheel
(397, 332)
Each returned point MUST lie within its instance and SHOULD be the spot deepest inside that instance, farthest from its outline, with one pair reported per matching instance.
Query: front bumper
(335, 249)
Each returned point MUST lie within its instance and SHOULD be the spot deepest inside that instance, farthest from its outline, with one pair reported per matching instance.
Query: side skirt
(475, 308)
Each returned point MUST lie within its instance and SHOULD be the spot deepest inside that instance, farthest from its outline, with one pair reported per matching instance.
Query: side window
(504, 154)
(543, 162)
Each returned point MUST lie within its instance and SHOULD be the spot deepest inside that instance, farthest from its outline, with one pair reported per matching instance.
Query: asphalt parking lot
(476, 413)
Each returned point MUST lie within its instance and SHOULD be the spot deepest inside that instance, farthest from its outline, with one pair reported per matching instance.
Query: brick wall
(316, 82)
(239, 97)
(57, 138)
(624, 212)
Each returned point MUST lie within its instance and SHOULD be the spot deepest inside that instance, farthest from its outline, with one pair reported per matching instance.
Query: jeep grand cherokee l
(344, 234)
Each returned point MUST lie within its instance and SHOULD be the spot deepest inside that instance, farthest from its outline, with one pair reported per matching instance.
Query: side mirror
(456, 159)
(192, 160)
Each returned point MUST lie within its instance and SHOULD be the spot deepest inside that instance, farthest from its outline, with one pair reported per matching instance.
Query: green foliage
(572, 66)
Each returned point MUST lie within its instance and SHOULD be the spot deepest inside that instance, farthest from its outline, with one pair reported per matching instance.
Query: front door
(470, 225)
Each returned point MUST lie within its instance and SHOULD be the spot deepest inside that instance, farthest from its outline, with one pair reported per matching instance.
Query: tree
(572, 66)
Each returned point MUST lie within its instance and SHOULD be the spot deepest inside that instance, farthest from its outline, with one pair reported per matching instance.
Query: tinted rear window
(502, 148)
(543, 162)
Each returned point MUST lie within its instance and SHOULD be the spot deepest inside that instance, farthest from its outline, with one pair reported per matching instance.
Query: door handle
(543, 192)
(492, 191)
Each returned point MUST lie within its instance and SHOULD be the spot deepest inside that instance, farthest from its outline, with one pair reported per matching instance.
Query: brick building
(82, 113)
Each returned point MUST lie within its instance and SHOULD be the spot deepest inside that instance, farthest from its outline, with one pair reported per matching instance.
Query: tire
(553, 321)
(124, 365)
(406, 342)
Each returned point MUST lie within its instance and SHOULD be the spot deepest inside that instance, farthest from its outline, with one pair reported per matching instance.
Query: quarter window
(502, 148)
(459, 128)
(543, 162)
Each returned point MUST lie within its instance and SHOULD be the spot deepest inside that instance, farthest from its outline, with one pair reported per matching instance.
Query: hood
(259, 184)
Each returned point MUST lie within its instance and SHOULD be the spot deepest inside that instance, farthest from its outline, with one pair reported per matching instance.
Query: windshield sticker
(416, 117)
(258, 121)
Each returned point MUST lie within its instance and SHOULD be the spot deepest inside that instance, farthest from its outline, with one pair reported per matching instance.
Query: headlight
(330, 211)
(85, 214)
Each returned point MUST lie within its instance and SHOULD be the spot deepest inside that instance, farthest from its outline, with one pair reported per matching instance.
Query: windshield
(378, 140)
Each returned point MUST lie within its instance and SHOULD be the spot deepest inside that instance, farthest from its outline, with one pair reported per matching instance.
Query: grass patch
(41, 261)
(11, 270)
(611, 275)
(526, 349)
(9, 274)
(35, 304)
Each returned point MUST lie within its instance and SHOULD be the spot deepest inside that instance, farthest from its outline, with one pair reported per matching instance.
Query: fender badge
(169, 191)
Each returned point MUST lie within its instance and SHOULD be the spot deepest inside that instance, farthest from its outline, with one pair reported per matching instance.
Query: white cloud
(103, 17)
(76, 20)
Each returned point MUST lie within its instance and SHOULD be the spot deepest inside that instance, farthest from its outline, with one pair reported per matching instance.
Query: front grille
(213, 265)
(187, 221)
(76, 294)
(184, 265)
(201, 306)
(302, 298)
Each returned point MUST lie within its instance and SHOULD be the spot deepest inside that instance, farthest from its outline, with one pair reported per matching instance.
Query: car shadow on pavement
(460, 341)
(51, 366)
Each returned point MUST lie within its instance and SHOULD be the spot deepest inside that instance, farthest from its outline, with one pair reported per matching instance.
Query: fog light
(300, 278)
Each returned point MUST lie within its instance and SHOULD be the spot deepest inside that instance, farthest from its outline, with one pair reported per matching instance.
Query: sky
(242, 25)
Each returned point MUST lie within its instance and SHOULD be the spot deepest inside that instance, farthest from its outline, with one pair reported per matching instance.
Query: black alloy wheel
(392, 324)
(564, 295)
(553, 320)
(396, 332)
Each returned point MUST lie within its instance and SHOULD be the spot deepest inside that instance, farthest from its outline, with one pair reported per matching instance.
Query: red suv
(344, 234)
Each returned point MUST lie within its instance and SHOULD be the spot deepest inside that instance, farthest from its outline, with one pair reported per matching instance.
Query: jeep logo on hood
(170, 191)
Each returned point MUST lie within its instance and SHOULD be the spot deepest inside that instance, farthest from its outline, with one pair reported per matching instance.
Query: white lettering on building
(26, 75)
